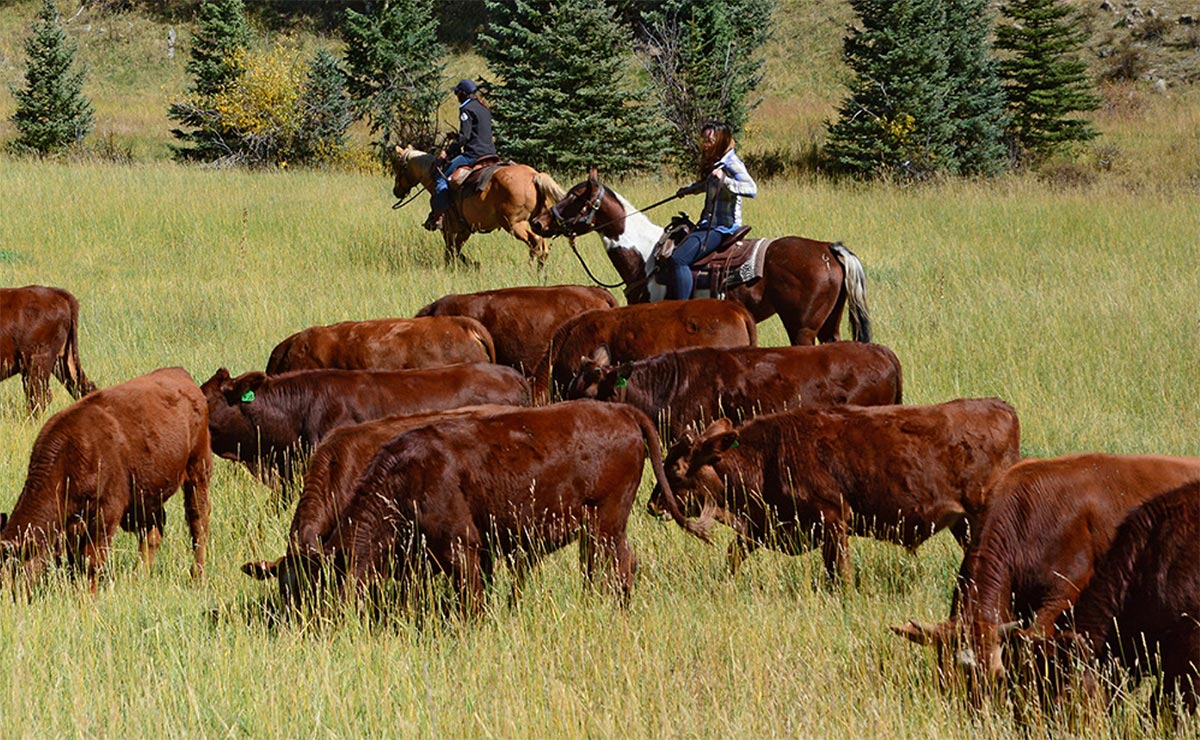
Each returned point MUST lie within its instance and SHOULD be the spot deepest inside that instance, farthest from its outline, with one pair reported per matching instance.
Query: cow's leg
(99, 534)
(519, 565)
(739, 550)
(196, 507)
(35, 378)
(468, 575)
(835, 549)
(149, 531)
(624, 569)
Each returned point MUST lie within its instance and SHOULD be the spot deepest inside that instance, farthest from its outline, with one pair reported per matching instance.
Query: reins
(402, 203)
(588, 270)
(595, 208)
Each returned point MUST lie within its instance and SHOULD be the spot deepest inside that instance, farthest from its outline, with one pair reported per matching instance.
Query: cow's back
(36, 318)
(384, 344)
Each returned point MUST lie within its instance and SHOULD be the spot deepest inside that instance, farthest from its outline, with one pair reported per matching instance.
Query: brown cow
(1048, 522)
(463, 493)
(796, 478)
(269, 422)
(699, 385)
(1142, 606)
(39, 337)
(384, 344)
(112, 460)
(522, 320)
(641, 331)
(330, 482)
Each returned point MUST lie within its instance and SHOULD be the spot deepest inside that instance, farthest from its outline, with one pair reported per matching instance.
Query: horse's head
(406, 168)
(585, 206)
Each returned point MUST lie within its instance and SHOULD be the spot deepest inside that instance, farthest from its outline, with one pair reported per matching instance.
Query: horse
(510, 197)
(807, 282)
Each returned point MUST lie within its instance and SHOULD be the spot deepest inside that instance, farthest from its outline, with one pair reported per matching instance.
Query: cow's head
(598, 379)
(229, 399)
(692, 468)
(302, 577)
(959, 648)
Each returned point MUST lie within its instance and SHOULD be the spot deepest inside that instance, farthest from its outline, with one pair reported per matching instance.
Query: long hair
(710, 154)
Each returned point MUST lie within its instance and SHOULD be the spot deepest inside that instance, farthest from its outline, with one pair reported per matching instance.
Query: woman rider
(474, 141)
(724, 180)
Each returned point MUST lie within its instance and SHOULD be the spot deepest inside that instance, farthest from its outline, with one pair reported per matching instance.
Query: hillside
(1144, 53)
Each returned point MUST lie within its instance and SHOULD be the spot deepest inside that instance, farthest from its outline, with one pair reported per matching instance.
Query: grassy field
(1077, 306)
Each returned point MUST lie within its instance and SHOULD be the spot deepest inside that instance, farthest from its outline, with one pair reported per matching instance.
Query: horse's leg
(538, 251)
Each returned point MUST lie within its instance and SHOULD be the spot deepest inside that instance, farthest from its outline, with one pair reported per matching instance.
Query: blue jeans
(697, 244)
(440, 200)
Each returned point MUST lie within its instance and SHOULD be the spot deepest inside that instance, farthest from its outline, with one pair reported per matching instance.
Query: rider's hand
(442, 157)
(718, 174)
(682, 192)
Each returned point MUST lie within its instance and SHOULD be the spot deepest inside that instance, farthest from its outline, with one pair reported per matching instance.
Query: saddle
(477, 174)
(736, 261)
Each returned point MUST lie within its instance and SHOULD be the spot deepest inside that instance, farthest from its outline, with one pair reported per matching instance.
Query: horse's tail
(549, 192)
(856, 292)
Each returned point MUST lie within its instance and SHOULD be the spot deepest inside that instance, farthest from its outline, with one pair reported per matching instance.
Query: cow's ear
(719, 437)
(923, 633)
(216, 383)
(601, 356)
(624, 370)
(3, 520)
(262, 570)
(243, 388)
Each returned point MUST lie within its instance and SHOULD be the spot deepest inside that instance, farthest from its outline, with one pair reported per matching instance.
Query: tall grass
(1077, 306)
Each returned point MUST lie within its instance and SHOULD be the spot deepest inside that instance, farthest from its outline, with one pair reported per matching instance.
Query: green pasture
(1077, 305)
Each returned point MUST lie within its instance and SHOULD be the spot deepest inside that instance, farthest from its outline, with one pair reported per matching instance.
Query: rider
(474, 141)
(724, 180)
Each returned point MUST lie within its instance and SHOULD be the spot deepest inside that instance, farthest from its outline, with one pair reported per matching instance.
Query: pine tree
(975, 103)
(1044, 77)
(52, 111)
(394, 67)
(567, 101)
(704, 57)
(896, 119)
(221, 35)
(325, 110)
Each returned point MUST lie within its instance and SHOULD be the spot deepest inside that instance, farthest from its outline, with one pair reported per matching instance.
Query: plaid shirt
(723, 199)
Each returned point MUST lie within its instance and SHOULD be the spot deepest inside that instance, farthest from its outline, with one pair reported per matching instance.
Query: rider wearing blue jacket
(474, 141)
(725, 181)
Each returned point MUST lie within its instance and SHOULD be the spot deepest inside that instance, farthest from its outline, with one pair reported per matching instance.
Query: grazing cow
(462, 493)
(1047, 524)
(384, 344)
(522, 320)
(39, 337)
(112, 460)
(268, 422)
(699, 385)
(1142, 606)
(329, 487)
(816, 475)
(641, 331)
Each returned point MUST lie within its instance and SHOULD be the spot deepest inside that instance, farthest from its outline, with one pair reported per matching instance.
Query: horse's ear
(593, 176)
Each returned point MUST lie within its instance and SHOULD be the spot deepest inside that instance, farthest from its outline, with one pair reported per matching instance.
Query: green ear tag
(622, 382)
(735, 444)
(248, 396)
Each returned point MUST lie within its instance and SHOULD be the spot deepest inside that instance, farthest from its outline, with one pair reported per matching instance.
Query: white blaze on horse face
(640, 235)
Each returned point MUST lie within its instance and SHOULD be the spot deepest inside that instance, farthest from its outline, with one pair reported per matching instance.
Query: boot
(434, 222)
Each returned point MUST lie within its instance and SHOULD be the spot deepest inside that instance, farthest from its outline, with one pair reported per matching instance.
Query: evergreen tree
(975, 103)
(567, 101)
(394, 67)
(704, 57)
(896, 118)
(325, 110)
(221, 36)
(1044, 77)
(52, 111)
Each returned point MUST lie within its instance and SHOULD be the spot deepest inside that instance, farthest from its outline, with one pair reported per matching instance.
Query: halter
(591, 209)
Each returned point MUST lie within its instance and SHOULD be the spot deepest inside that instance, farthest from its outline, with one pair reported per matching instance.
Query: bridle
(401, 202)
(591, 209)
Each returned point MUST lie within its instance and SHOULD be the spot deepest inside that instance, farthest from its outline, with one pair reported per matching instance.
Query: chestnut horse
(514, 194)
(808, 283)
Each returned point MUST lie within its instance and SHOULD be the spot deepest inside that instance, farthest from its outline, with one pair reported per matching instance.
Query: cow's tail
(696, 528)
(70, 370)
(856, 292)
(549, 192)
(483, 336)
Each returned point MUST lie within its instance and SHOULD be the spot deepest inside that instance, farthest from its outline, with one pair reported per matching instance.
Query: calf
(1142, 606)
(898, 473)
(1048, 523)
(112, 460)
(640, 331)
(522, 320)
(699, 385)
(39, 338)
(462, 493)
(268, 422)
(385, 344)
(329, 487)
